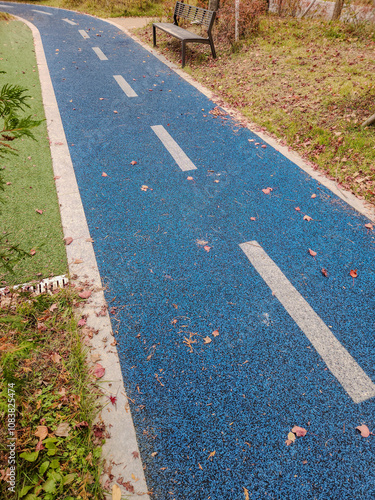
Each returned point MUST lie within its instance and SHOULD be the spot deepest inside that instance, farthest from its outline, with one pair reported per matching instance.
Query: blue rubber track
(212, 418)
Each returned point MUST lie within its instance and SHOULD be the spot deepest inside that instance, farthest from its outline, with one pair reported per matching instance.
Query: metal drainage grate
(46, 285)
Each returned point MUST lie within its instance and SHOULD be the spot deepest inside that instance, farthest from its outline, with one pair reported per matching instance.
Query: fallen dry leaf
(307, 217)
(104, 174)
(267, 190)
(312, 253)
(99, 370)
(253, 218)
(299, 431)
(78, 261)
(324, 272)
(215, 333)
(212, 454)
(39, 211)
(246, 493)
(85, 294)
(56, 358)
(291, 437)
(313, 196)
(68, 240)
(116, 492)
(207, 248)
(369, 226)
(288, 442)
(207, 340)
(133, 163)
(42, 432)
(364, 430)
(82, 322)
(353, 273)
(32, 251)
(298, 209)
(53, 307)
(144, 188)
(63, 430)
(189, 178)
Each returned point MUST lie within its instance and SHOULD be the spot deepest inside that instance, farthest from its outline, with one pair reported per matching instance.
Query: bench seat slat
(180, 33)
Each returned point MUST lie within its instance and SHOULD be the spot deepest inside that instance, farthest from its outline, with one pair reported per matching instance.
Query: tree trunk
(339, 4)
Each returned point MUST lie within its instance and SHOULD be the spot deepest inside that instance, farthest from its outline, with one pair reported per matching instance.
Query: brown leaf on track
(299, 431)
(90, 240)
(133, 162)
(199, 465)
(99, 370)
(369, 226)
(324, 272)
(207, 248)
(207, 340)
(291, 437)
(313, 196)
(353, 273)
(312, 253)
(68, 240)
(246, 493)
(298, 209)
(253, 218)
(211, 455)
(85, 294)
(267, 190)
(41, 432)
(104, 174)
(189, 178)
(364, 430)
(215, 333)
(307, 217)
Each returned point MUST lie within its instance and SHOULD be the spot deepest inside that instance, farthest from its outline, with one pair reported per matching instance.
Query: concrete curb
(362, 207)
(120, 450)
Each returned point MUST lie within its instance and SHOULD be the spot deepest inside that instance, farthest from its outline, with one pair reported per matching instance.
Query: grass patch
(307, 82)
(29, 175)
(43, 368)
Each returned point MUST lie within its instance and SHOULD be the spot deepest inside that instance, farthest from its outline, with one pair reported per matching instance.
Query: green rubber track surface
(29, 175)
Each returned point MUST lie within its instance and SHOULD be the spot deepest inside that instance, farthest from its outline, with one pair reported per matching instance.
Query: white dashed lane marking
(42, 12)
(70, 22)
(83, 33)
(100, 54)
(125, 86)
(341, 364)
(182, 160)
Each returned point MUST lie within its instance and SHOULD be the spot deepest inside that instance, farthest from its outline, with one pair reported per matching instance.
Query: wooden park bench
(196, 16)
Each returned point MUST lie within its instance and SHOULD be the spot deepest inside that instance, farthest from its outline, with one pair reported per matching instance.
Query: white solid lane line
(174, 149)
(41, 12)
(341, 364)
(83, 33)
(70, 22)
(100, 54)
(125, 86)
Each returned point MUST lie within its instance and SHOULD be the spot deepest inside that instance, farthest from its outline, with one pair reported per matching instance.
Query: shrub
(250, 12)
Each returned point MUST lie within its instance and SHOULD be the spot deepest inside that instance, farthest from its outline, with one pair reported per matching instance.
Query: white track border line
(361, 206)
(119, 448)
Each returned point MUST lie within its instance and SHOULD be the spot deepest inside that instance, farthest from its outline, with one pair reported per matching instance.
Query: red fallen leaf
(298, 209)
(104, 174)
(263, 146)
(307, 217)
(126, 484)
(364, 430)
(369, 226)
(133, 163)
(215, 333)
(312, 253)
(207, 248)
(135, 454)
(68, 240)
(253, 218)
(189, 178)
(288, 442)
(85, 294)
(9, 183)
(39, 211)
(299, 431)
(325, 272)
(116, 112)
(113, 399)
(99, 370)
(39, 446)
(267, 190)
(313, 195)
(81, 425)
(82, 322)
(353, 273)
(32, 251)
(98, 430)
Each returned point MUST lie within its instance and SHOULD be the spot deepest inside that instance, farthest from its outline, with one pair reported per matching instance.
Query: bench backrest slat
(194, 14)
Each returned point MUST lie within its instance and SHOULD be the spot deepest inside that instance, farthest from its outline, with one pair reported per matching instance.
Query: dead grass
(307, 82)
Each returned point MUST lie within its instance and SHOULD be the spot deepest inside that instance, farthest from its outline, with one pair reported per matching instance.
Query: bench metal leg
(183, 51)
(212, 48)
(154, 34)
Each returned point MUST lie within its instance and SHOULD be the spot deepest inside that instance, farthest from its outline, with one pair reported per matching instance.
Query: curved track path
(229, 333)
